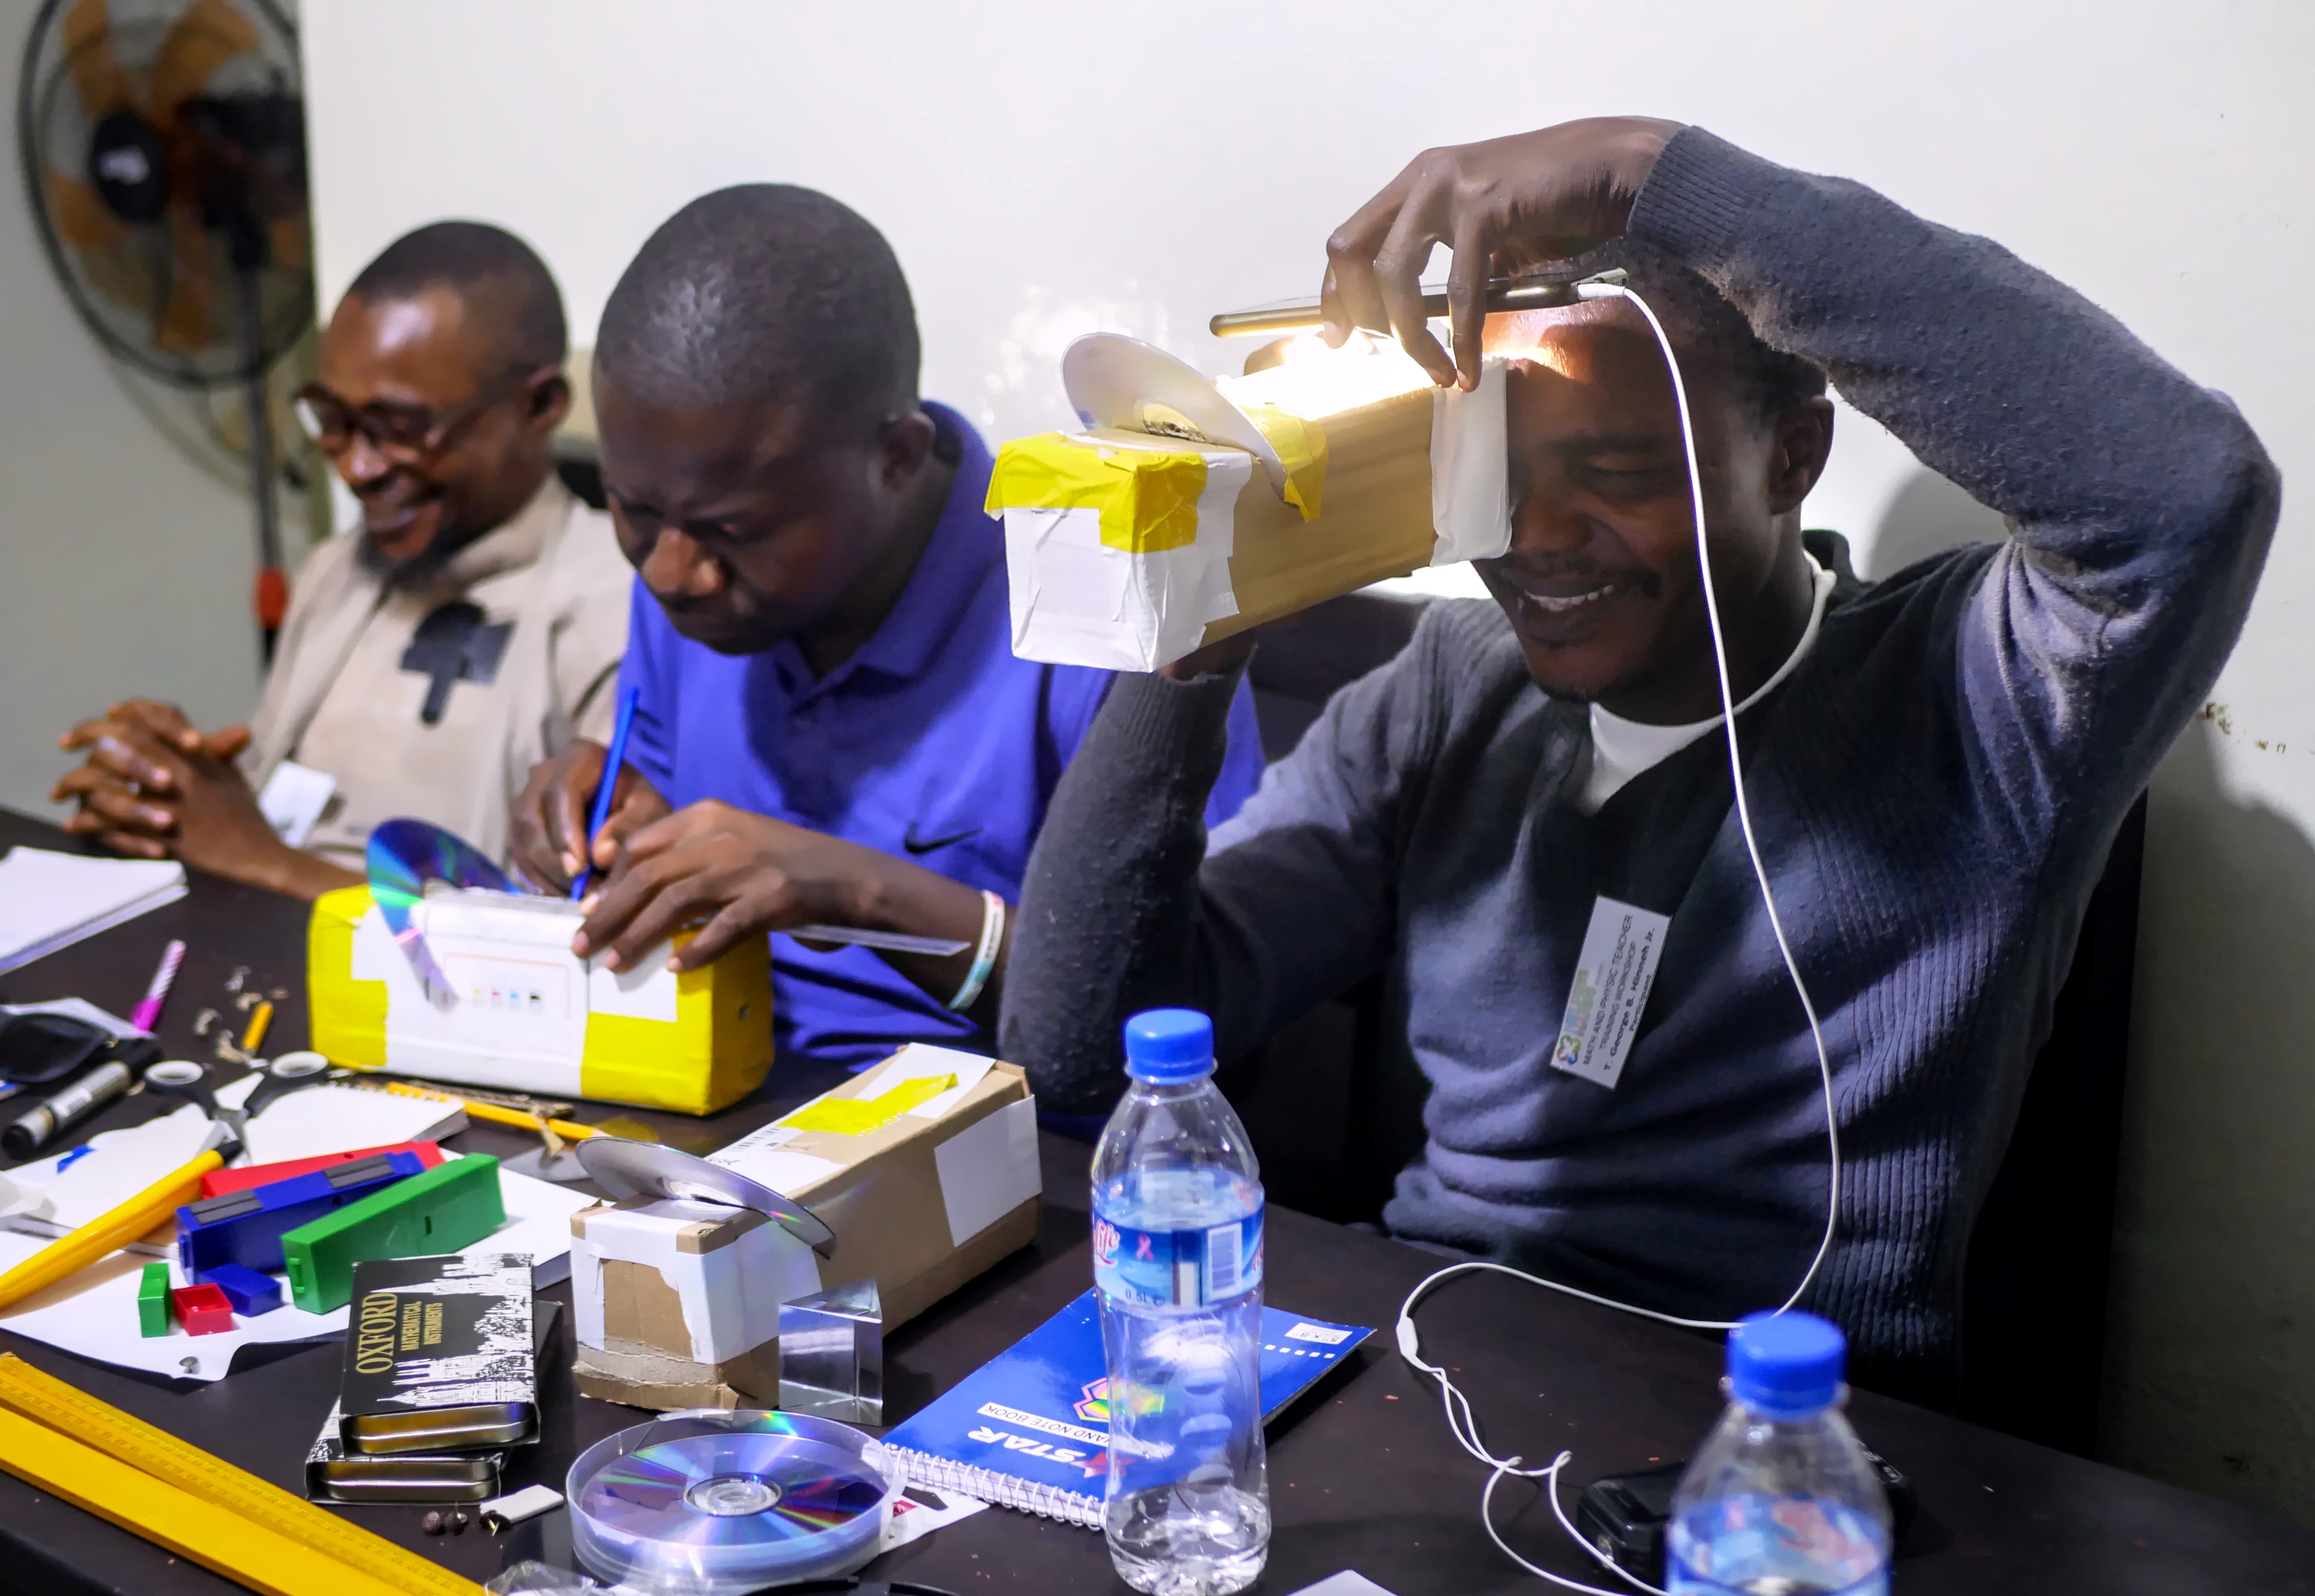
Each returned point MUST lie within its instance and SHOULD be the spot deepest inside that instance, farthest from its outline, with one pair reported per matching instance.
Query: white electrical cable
(1460, 1421)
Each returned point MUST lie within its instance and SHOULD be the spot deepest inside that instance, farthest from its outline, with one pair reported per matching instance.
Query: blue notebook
(1031, 1430)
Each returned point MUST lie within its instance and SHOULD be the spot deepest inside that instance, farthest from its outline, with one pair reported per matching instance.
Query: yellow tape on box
(1189, 510)
(525, 1014)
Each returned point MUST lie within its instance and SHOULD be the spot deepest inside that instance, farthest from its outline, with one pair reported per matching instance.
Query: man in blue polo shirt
(830, 726)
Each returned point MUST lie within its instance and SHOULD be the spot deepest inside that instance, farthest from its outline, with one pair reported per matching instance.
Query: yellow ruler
(178, 1519)
(262, 1516)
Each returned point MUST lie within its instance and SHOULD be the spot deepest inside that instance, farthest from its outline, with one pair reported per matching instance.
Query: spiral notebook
(1031, 1429)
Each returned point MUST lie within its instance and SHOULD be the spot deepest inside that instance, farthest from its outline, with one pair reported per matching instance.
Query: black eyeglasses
(402, 433)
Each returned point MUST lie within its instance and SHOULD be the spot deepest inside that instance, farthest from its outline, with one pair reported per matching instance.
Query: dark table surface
(1362, 1474)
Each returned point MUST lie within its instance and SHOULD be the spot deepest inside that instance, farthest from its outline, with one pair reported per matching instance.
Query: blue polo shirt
(932, 743)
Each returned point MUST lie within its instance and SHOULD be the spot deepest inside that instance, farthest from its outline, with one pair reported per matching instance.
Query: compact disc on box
(626, 1168)
(714, 1503)
(405, 856)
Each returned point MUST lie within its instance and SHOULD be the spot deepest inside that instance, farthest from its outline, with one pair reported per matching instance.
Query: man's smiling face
(425, 357)
(1602, 582)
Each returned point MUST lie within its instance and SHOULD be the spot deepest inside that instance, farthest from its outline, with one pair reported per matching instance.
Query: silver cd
(626, 1168)
(707, 1502)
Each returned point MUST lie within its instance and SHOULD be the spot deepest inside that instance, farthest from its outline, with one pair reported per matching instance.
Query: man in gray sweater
(1936, 764)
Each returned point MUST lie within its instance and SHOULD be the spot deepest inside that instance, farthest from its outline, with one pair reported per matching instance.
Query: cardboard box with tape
(1187, 510)
(518, 1011)
(924, 1168)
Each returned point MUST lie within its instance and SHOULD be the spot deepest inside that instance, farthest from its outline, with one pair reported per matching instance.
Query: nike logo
(926, 845)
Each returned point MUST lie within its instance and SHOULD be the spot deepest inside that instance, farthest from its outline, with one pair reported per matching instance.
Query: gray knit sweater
(1934, 790)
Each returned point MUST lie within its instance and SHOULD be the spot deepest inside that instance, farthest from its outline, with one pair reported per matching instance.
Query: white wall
(125, 567)
(1047, 169)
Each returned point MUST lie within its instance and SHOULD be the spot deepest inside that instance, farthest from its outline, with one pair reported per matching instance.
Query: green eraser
(453, 1205)
(153, 1300)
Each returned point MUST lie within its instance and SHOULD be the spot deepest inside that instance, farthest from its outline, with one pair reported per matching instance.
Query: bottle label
(1176, 1268)
(1756, 1541)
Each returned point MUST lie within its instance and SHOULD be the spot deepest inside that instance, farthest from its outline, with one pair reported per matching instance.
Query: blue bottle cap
(1787, 1365)
(1170, 1046)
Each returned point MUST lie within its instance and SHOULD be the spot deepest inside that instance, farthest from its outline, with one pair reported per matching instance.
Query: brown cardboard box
(897, 1194)
(920, 1205)
(645, 1359)
(1376, 522)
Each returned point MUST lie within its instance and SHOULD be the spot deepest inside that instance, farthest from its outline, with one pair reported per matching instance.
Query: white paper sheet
(49, 900)
(731, 1297)
(304, 1124)
(518, 1017)
(764, 1157)
(921, 1060)
(913, 1519)
(1348, 1582)
(1471, 469)
(1076, 601)
(294, 798)
(988, 1169)
(94, 1312)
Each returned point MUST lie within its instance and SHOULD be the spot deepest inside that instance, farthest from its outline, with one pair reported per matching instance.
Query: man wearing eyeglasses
(466, 629)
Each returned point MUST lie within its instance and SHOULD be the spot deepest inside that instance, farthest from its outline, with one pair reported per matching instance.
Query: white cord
(1460, 1421)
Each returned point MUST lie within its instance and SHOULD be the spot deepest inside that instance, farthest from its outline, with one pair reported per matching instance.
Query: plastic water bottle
(1782, 1501)
(1177, 1265)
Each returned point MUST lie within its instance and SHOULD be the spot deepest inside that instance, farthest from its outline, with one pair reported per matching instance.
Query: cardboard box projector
(925, 1166)
(1187, 510)
(527, 1015)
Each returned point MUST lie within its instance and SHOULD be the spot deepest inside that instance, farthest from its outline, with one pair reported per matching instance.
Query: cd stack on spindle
(719, 1503)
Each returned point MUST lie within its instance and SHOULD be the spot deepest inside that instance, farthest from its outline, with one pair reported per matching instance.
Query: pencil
(613, 759)
(256, 1032)
(108, 1232)
(495, 1113)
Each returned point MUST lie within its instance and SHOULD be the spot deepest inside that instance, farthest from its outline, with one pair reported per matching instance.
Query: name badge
(1610, 990)
(293, 801)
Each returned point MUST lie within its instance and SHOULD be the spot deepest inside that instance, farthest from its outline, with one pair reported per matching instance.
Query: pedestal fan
(163, 150)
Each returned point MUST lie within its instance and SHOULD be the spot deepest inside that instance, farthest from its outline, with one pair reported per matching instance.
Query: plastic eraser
(246, 1227)
(218, 1183)
(153, 1315)
(251, 1291)
(450, 1207)
(203, 1309)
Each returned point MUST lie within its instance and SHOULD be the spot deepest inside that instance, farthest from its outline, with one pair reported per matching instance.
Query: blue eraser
(246, 1227)
(249, 1291)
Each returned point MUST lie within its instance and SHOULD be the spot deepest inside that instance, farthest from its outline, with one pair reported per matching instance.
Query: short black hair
(763, 293)
(1698, 317)
(483, 262)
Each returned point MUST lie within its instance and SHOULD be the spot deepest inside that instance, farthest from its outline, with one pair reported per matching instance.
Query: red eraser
(202, 1310)
(217, 1183)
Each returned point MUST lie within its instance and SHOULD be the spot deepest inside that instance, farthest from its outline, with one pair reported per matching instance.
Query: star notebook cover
(1029, 1430)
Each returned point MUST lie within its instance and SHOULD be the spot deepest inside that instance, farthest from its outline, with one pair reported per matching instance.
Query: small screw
(190, 1365)
(458, 1521)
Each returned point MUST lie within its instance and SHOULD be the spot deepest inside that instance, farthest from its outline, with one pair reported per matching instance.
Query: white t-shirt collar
(1621, 749)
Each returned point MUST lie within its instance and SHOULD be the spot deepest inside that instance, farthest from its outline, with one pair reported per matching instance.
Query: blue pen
(610, 781)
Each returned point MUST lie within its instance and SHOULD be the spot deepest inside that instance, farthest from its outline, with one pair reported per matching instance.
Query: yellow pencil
(497, 1113)
(108, 1232)
(255, 1035)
